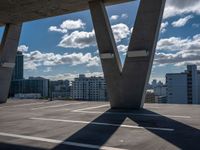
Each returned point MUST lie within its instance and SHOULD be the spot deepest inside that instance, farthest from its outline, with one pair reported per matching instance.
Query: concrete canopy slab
(17, 11)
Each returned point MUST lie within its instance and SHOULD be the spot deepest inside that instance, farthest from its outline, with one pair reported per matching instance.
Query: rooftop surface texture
(75, 125)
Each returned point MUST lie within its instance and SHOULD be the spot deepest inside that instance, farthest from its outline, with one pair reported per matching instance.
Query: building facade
(30, 86)
(18, 71)
(60, 89)
(184, 88)
(92, 88)
(26, 88)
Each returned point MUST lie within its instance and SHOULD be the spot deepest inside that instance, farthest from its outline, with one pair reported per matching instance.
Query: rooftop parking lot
(75, 125)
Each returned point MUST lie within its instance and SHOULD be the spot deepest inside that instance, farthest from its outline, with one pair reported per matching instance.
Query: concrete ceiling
(16, 11)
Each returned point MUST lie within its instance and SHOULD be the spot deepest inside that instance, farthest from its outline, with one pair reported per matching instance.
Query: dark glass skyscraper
(18, 71)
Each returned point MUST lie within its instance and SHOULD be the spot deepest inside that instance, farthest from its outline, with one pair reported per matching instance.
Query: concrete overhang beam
(17, 11)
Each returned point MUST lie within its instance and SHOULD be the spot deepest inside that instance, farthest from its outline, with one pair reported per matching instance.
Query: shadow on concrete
(94, 134)
(183, 137)
(9, 146)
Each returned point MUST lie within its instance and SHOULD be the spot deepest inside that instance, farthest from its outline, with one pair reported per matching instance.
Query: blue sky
(64, 46)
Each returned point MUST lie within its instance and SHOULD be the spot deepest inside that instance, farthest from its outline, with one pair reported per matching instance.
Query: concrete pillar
(110, 59)
(8, 51)
(127, 86)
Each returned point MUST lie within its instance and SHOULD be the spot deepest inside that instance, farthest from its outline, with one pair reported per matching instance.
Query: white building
(92, 88)
(184, 88)
(160, 90)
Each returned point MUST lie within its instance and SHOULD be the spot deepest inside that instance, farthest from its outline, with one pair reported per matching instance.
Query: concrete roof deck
(75, 125)
(16, 11)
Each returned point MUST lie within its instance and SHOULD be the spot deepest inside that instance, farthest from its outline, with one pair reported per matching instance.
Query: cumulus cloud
(114, 17)
(183, 51)
(36, 58)
(48, 69)
(22, 48)
(179, 44)
(72, 24)
(177, 7)
(182, 21)
(120, 31)
(124, 16)
(78, 39)
(122, 48)
(178, 59)
(57, 29)
(83, 39)
(68, 25)
(163, 27)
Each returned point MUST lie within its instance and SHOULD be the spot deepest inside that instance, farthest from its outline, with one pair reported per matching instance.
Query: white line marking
(55, 106)
(59, 141)
(19, 105)
(151, 107)
(134, 114)
(88, 108)
(103, 124)
(65, 109)
(175, 116)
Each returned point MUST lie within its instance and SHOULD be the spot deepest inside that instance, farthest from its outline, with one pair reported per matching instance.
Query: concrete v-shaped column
(127, 86)
(8, 51)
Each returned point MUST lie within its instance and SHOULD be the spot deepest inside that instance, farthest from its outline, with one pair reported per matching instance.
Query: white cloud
(56, 29)
(179, 44)
(114, 17)
(178, 59)
(78, 39)
(172, 43)
(31, 65)
(124, 16)
(22, 48)
(68, 25)
(122, 48)
(36, 58)
(48, 69)
(180, 7)
(120, 31)
(182, 21)
(183, 51)
(83, 39)
(72, 24)
(164, 26)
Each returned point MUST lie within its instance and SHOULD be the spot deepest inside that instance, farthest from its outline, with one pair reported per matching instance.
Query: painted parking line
(153, 107)
(20, 105)
(133, 114)
(103, 124)
(89, 108)
(83, 145)
(55, 106)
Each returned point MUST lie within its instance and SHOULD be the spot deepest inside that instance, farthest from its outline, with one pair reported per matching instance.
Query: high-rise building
(92, 88)
(18, 71)
(184, 88)
(31, 86)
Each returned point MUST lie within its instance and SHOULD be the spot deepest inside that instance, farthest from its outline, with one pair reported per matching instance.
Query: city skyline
(63, 47)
